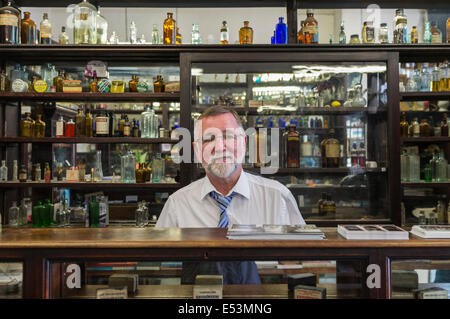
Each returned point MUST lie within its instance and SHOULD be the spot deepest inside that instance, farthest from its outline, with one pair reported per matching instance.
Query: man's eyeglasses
(226, 138)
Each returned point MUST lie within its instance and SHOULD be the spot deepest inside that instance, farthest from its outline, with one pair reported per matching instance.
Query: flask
(63, 37)
(155, 34)
(36, 215)
(45, 30)
(246, 34)
(178, 37)
(281, 32)
(84, 23)
(13, 215)
(195, 36)
(9, 24)
(28, 30)
(3, 172)
(169, 28)
(224, 37)
(102, 28)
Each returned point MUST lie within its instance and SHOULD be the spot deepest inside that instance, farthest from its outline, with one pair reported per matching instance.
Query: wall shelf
(88, 185)
(424, 96)
(87, 96)
(90, 140)
(429, 139)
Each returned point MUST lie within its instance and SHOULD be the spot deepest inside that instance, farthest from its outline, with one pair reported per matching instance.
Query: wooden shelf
(419, 96)
(104, 97)
(430, 139)
(89, 140)
(303, 110)
(428, 184)
(319, 170)
(86, 185)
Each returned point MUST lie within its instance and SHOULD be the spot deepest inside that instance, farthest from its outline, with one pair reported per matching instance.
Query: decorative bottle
(281, 32)
(28, 30)
(169, 28)
(45, 30)
(9, 24)
(246, 34)
(224, 37)
(342, 36)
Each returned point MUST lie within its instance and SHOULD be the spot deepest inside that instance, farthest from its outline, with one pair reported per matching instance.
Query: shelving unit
(87, 96)
(89, 140)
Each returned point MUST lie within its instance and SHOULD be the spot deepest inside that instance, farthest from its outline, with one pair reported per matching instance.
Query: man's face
(222, 144)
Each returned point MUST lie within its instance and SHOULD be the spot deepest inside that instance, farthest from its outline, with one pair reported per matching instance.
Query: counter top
(183, 238)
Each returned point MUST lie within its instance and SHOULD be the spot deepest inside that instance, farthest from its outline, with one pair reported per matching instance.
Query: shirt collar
(241, 187)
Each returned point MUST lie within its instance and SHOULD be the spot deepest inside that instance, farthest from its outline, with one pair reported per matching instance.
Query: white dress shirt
(258, 201)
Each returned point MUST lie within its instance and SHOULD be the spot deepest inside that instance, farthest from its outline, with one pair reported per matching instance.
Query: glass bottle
(70, 129)
(3, 172)
(140, 174)
(428, 176)
(27, 126)
(45, 30)
(149, 122)
(435, 80)
(427, 33)
(60, 127)
(132, 84)
(38, 173)
(436, 34)
(195, 36)
(47, 173)
(89, 124)
(23, 213)
(147, 172)
(9, 24)
(93, 86)
(414, 128)
(400, 25)
(39, 126)
(224, 36)
(5, 84)
(281, 32)
(311, 27)
(98, 171)
(113, 39)
(133, 33)
(23, 175)
(15, 171)
(155, 34)
(444, 76)
(444, 126)
(84, 23)
(300, 34)
(362, 155)
(169, 28)
(158, 164)
(342, 36)
(80, 123)
(102, 124)
(306, 147)
(368, 32)
(63, 37)
(291, 146)
(441, 168)
(102, 28)
(425, 128)
(58, 81)
(246, 34)
(448, 32)
(414, 35)
(94, 213)
(330, 150)
(13, 215)
(178, 37)
(28, 30)
(260, 138)
(354, 39)
(403, 126)
(66, 213)
(404, 166)
(159, 85)
(383, 33)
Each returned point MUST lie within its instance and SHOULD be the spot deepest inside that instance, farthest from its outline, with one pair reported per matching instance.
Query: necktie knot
(224, 202)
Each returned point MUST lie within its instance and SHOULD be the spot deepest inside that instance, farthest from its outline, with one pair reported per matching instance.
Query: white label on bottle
(306, 149)
(45, 31)
(9, 19)
(59, 128)
(332, 150)
(102, 125)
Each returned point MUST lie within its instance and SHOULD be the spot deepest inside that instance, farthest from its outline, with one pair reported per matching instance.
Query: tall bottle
(13, 215)
(3, 172)
(15, 171)
(330, 150)
(149, 122)
(89, 124)
(102, 124)
(47, 173)
(414, 35)
(224, 36)
(102, 28)
(94, 212)
(28, 30)
(400, 27)
(169, 28)
(155, 34)
(403, 126)
(311, 27)
(292, 147)
(178, 38)
(427, 33)
(342, 36)
(80, 123)
(39, 127)
(158, 166)
(435, 80)
(63, 37)
(441, 168)
(133, 33)
(281, 32)
(301, 34)
(261, 144)
(195, 36)
(444, 126)
(246, 34)
(45, 30)
(27, 126)
(84, 23)
(448, 41)
(9, 24)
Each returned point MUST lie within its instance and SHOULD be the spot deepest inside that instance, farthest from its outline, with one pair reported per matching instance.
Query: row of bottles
(436, 170)
(423, 77)
(326, 205)
(424, 129)
(44, 214)
(144, 173)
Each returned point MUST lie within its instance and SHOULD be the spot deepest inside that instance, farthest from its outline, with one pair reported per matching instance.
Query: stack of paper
(372, 232)
(267, 232)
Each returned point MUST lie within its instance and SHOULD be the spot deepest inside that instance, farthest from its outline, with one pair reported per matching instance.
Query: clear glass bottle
(63, 38)
(414, 168)
(15, 171)
(84, 23)
(400, 27)
(133, 33)
(281, 32)
(142, 39)
(98, 167)
(246, 34)
(441, 168)
(383, 35)
(3, 172)
(128, 168)
(435, 80)
(149, 122)
(433, 165)
(427, 33)
(158, 167)
(224, 36)
(13, 215)
(169, 28)
(195, 36)
(9, 24)
(28, 30)
(38, 173)
(342, 36)
(291, 146)
(102, 28)
(155, 34)
(23, 212)
(45, 30)
(39, 127)
(436, 34)
(60, 127)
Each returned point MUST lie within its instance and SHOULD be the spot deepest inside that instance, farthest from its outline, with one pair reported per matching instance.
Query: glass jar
(354, 39)
(9, 24)
(102, 28)
(63, 37)
(84, 23)
(383, 33)
(246, 34)
(169, 27)
(13, 215)
(155, 34)
(98, 171)
(28, 30)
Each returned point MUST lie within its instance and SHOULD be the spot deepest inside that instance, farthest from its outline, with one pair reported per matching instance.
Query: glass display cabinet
(319, 125)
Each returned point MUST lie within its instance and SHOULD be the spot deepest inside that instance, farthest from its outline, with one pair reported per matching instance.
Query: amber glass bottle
(28, 30)
(27, 126)
(330, 150)
(93, 86)
(148, 172)
(132, 84)
(80, 123)
(292, 147)
(58, 81)
(311, 27)
(178, 37)
(5, 84)
(140, 174)
(404, 126)
(39, 126)
(300, 35)
(169, 28)
(424, 128)
(89, 124)
(159, 85)
(246, 34)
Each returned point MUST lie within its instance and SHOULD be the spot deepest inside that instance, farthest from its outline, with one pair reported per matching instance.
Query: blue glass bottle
(272, 39)
(281, 32)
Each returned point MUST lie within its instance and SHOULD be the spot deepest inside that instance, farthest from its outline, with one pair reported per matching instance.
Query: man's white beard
(222, 169)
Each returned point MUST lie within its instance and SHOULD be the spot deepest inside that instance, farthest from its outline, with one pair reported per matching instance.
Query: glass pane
(342, 105)
(11, 278)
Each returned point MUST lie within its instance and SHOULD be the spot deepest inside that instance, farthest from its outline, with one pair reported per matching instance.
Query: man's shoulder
(266, 182)
(188, 190)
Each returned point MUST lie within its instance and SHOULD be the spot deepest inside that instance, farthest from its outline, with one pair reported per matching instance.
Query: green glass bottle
(36, 215)
(94, 213)
(43, 214)
(428, 174)
(50, 213)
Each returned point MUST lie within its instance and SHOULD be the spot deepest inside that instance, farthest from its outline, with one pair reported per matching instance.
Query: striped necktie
(223, 202)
